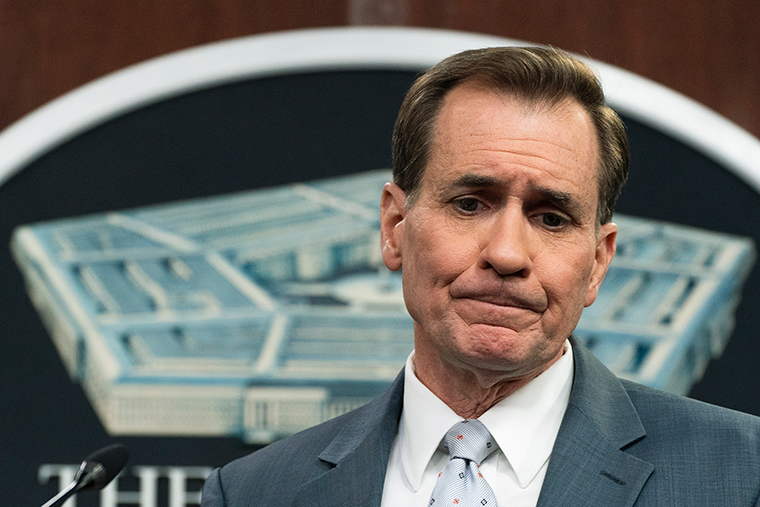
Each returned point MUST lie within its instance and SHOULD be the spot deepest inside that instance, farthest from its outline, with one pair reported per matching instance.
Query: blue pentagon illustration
(261, 313)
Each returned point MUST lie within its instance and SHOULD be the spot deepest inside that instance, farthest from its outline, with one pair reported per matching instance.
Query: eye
(467, 204)
(553, 220)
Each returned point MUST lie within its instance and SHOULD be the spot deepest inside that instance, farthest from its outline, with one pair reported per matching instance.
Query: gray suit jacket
(620, 444)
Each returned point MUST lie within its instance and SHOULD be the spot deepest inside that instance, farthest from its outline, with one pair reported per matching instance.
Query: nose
(505, 244)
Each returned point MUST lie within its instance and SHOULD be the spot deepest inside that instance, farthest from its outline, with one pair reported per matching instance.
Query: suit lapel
(588, 465)
(359, 455)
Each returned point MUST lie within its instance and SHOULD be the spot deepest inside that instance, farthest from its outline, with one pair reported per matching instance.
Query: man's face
(500, 252)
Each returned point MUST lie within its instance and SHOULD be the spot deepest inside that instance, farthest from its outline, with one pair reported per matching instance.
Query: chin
(508, 350)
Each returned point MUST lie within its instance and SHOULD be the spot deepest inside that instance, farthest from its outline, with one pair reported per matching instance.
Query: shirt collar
(525, 424)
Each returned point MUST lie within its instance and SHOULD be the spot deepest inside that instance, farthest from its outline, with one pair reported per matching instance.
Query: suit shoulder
(673, 414)
(702, 454)
(276, 471)
(307, 443)
(279, 468)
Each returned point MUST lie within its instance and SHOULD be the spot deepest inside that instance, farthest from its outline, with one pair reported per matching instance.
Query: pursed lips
(501, 298)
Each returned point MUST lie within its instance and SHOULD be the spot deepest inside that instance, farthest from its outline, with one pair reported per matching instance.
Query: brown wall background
(706, 49)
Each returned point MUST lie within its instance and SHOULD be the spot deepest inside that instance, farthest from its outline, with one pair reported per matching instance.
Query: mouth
(504, 302)
(499, 312)
(502, 299)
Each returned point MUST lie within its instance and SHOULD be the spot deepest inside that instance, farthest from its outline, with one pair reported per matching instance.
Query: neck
(469, 392)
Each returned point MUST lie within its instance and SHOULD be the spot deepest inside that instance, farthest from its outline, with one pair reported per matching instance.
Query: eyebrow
(560, 199)
(477, 181)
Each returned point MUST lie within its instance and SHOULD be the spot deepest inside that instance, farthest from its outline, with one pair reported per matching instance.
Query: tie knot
(470, 439)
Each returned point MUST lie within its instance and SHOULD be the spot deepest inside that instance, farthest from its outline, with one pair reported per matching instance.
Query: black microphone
(96, 471)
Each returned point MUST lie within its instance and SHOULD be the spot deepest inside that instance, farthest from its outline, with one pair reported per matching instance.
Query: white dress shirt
(524, 425)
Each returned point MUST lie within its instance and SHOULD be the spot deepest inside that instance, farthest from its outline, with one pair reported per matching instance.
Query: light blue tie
(461, 482)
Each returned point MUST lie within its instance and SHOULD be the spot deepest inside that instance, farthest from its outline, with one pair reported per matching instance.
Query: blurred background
(701, 48)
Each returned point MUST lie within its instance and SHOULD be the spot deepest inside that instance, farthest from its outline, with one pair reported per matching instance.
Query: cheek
(569, 284)
(438, 256)
(430, 267)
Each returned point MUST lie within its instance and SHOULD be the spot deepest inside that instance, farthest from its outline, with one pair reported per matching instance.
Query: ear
(605, 251)
(392, 214)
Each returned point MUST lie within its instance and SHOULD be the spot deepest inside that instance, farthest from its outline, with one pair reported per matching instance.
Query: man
(507, 166)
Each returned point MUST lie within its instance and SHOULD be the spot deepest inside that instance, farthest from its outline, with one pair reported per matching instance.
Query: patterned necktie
(461, 483)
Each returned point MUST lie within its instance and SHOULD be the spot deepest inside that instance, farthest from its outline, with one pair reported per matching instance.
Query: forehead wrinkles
(533, 136)
(477, 152)
(522, 151)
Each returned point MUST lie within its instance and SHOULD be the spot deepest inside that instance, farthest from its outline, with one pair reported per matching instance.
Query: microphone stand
(69, 491)
(62, 496)
(95, 472)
